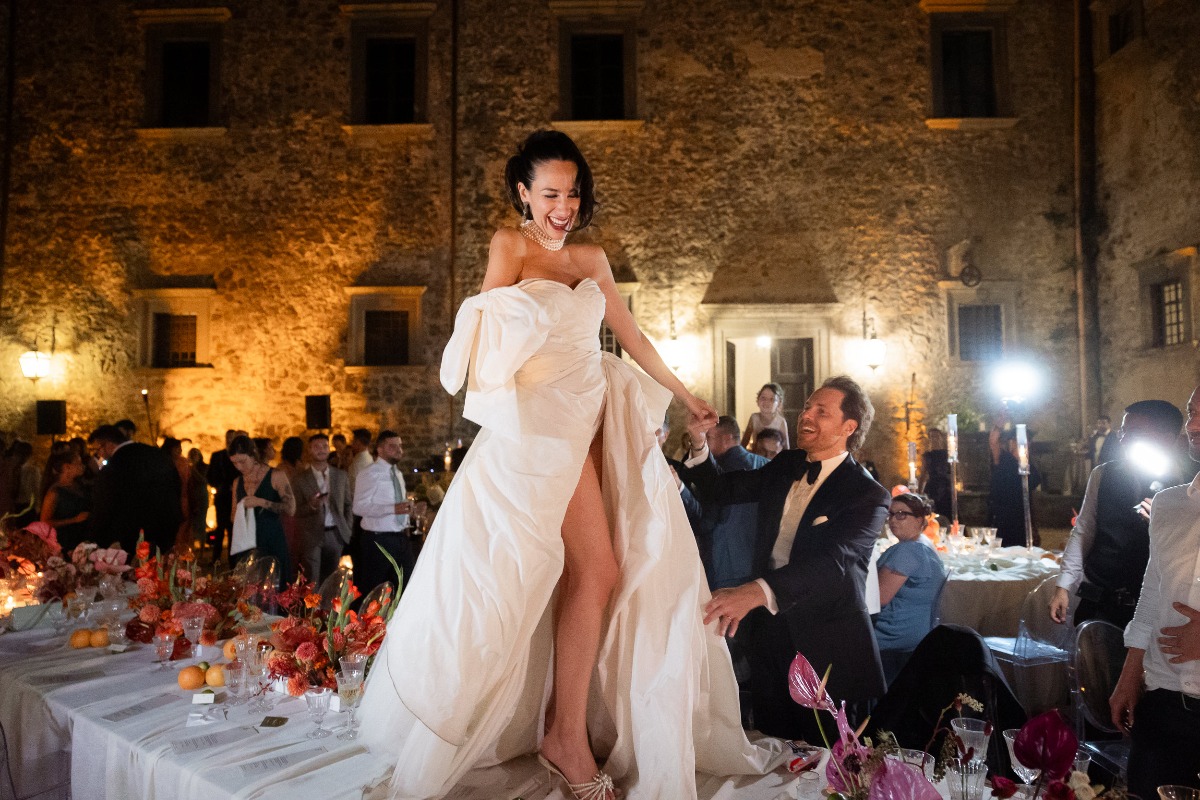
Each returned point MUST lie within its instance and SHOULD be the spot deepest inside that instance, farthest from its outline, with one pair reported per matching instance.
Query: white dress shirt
(375, 498)
(793, 511)
(357, 465)
(1172, 575)
(322, 478)
(1082, 535)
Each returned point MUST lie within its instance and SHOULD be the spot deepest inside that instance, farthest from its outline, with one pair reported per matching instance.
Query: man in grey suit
(323, 502)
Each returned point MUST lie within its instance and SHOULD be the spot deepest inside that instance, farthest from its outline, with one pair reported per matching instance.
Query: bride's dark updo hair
(543, 146)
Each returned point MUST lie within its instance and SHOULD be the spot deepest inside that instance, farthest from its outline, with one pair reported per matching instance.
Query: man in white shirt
(381, 499)
(360, 446)
(1164, 642)
(1106, 555)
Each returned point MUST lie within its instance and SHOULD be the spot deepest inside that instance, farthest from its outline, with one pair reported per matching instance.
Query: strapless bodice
(576, 312)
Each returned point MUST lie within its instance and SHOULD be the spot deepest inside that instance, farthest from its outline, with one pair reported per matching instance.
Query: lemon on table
(215, 675)
(81, 638)
(190, 678)
(98, 637)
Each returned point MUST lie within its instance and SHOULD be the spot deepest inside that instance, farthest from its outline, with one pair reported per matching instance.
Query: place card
(204, 698)
(117, 648)
(194, 744)
(68, 677)
(140, 708)
(265, 766)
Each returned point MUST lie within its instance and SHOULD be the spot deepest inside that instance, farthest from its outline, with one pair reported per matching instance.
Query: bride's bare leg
(589, 575)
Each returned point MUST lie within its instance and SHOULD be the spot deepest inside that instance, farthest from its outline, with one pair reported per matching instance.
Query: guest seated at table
(768, 443)
(910, 579)
(65, 502)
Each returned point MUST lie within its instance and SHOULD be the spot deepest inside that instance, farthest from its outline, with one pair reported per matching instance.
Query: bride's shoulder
(590, 258)
(508, 239)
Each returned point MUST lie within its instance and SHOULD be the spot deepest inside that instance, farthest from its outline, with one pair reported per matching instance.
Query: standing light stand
(912, 466)
(952, 458)
(1023, 469)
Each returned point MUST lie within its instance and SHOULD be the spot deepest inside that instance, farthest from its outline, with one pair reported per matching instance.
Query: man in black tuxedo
(819, 514)
(138, 490)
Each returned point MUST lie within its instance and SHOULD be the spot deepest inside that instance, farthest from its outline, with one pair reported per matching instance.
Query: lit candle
(952, 438)
(446, 459)
(912, 464)
(1022, 450)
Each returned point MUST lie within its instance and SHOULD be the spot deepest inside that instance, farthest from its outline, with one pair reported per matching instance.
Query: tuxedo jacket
(821, 591)
(138, 490)
(310, 522)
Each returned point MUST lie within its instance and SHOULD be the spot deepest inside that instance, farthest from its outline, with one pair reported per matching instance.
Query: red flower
(1047, 743)
(1057, 790)
(306, 651)
(143, 551)
(297, 685)
(806, 688)
(312, 600)
(1003, 787)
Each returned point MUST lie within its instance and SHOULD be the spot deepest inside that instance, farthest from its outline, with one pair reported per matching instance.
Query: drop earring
(526, 214)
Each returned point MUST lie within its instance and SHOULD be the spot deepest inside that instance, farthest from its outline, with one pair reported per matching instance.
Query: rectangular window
(385, 338)
(174, 341)
(968, 75)
(608, 341)
(598, 76)
(980, 333)
(182, 75)
(390, 71)
(1166, 313)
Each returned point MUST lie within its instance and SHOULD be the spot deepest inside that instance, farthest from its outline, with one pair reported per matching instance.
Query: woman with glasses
(910, 579)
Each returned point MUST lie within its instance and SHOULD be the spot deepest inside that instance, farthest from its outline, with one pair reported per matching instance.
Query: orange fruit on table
(81, 638)
(190, 678)
(229, 650)
(98, 637)
(215, 675)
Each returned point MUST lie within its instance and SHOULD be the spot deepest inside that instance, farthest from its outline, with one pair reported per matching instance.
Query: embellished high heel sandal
(600, 787)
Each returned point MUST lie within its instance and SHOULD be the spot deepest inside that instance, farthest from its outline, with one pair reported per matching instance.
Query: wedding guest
(266, 449)
(341, 455)
(381, 499)
(174, 448)
(910, 579)
(819, 513)
(290, 456)
(137, 492)
(769, 415)
(91, 467)
(768, 443)
(936, 467)
(220, 477)
(360, 447)
(65, 502)
(26, 480)
(730, 529)
(1157, 698)
(1006, 508)
(265, 490)
(323, 511)
(1105, 558)
(197, 494)
(127, 427)
(291, 453)
(1103, 445)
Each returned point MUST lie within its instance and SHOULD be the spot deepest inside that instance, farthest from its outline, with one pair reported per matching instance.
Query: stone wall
(1148, 143)
(776, 145)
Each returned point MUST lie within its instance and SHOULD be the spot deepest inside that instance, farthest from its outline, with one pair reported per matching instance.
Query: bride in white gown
(557, 607)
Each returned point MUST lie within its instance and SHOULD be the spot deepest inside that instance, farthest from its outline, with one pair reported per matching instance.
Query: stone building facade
(785, 176)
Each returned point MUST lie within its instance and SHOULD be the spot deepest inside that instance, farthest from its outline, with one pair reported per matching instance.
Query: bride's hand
(701, 411)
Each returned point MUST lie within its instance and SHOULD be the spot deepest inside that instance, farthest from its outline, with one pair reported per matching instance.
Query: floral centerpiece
(1047, 743)
(169, 589)
(310, 641)
(25, 552)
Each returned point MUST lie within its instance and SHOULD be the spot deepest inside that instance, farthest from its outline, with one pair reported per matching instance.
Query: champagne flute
(1027, 775)
(350, 691)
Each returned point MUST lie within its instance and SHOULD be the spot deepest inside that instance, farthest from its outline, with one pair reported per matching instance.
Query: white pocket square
(820, 521)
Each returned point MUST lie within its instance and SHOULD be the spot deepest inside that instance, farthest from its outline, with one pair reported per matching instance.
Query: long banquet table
(987, 593)
(93, 725)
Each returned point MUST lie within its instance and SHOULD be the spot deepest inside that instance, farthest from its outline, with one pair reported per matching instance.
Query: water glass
(350, 691)
(164, 643)
(1176, 792)
(77, 608)
(318, 705)
(1083, 760)
(236, 676)
(192, 626)
(974, 734)
(809, 786)
(56, 611)
(354, 664)
(916, 758)
(965, 779)
(1023, 772)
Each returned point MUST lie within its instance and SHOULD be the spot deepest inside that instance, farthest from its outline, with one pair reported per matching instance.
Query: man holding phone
(323, 504)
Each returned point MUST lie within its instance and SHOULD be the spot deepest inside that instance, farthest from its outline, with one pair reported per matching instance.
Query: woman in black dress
(269, 493)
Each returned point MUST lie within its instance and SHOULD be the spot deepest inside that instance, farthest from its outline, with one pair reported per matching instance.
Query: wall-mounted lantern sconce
(874, 348)
(35, 364)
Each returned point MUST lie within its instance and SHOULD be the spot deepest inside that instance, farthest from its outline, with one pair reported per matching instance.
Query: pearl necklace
(533, 232)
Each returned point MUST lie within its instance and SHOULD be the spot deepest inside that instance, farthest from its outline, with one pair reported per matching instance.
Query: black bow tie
(811, 470)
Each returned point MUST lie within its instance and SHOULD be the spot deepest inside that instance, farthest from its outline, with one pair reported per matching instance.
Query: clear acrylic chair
(262, 580)
(1098, 658)
(384, 594)
(332, 587)
(1037, 659)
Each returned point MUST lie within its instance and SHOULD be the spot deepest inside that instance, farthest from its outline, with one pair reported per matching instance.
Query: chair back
(332, 587)
(1036, 623)
(1099, 656)
(242, 568)
(262, 576)
(935, 612)
(385, 595)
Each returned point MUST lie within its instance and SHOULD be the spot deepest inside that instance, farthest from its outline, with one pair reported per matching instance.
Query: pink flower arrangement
(47, 535)
(110, 561)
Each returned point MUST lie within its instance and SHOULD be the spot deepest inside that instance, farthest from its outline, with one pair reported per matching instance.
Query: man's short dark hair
(769, 434)
(1104, 417)
(382, 437)
(108, 433)
(729, 426)
(855, 405)
(126, 425)
(1164, 416)
(316, 436)
(362, 435)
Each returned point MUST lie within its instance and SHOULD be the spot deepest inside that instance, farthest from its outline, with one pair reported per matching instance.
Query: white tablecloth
(94, 725)
(987, 593)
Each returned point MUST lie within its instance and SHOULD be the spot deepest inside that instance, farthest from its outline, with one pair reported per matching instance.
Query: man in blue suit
(819, 513)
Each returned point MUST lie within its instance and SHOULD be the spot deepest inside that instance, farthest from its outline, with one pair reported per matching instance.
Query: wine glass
(1175, 792)
(257, 657)
(56, 611)
(318, 699)
(1027, 775)
(974, 734)
(354, 664)
(164, 643)
(350, 691)
(192, 626)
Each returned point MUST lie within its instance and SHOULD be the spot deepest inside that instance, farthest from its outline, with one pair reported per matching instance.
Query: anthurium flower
(1057, 790)
(806, 688)
(1003, 787)
(895, 780)
(1047, 743)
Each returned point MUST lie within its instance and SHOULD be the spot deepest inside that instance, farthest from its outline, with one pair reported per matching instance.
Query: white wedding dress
(463, 675)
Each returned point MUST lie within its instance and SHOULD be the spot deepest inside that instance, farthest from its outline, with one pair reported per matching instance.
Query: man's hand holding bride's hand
(730, 606)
